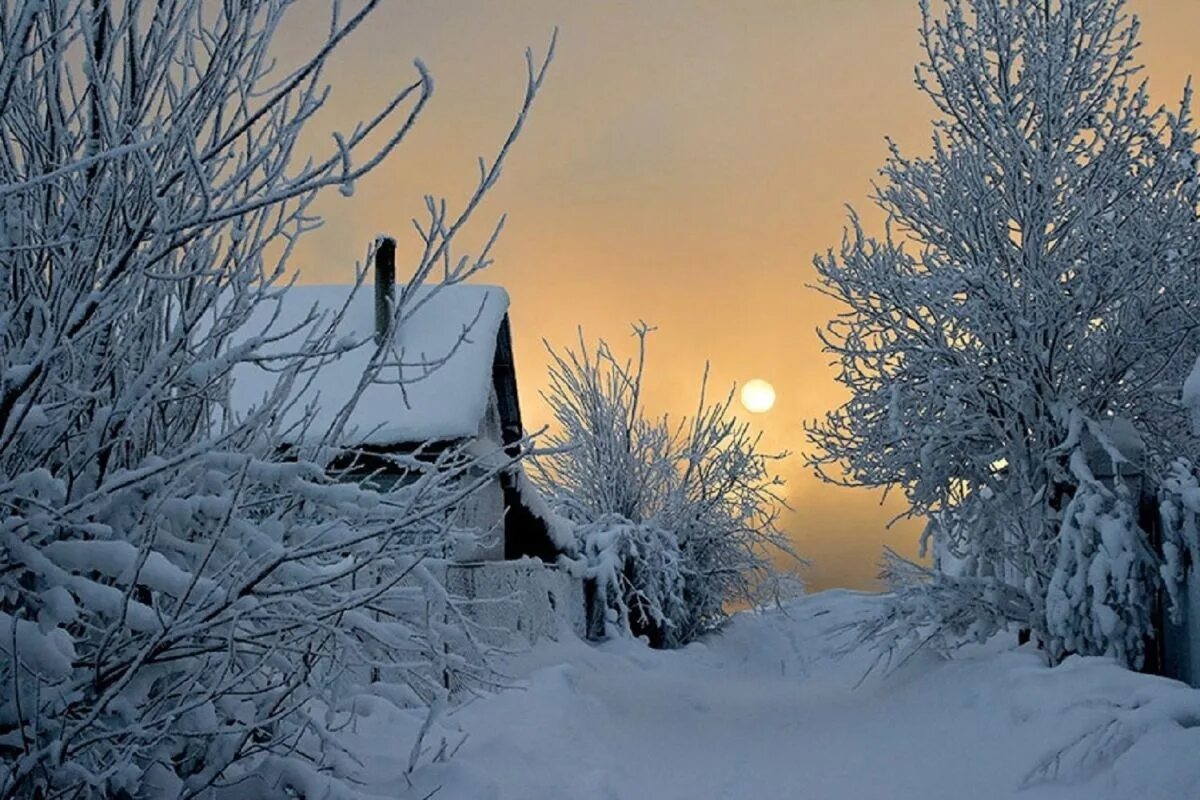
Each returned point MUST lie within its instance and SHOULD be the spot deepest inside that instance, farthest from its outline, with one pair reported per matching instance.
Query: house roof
(438, 382)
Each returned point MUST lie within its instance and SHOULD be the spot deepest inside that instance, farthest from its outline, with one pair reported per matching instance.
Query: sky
(682, 166)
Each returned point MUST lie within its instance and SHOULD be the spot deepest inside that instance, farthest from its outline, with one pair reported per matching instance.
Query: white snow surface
(769, 709)
(435, 386)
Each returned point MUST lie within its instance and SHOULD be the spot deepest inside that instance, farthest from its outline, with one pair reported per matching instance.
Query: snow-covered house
(450, 381)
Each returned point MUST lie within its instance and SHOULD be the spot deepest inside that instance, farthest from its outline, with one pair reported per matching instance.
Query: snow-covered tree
(1035, 279)
(676, 520)
(184, 604)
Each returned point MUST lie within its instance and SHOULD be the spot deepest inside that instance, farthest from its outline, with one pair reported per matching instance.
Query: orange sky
(684, 162)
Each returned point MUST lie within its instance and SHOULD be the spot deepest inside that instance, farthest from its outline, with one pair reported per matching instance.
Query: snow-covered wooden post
(385, 286)
(1181, 627)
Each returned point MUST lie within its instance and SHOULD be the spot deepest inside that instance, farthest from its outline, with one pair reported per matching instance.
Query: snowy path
(766, 711)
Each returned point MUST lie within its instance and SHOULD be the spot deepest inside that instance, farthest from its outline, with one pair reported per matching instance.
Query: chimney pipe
(385, 286)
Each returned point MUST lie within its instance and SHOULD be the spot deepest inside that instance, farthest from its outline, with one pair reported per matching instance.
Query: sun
(758, 396)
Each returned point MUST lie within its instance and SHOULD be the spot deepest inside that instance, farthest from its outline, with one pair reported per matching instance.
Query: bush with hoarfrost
(674, 520)
(178, 596)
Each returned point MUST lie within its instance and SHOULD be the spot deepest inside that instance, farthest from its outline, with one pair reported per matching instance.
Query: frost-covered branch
(1034, 282)
(181, 581)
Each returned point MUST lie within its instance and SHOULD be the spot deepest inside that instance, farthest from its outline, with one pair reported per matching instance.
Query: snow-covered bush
(177, 591)
(1035, 279)
(676, 520)
(1102, 589)
(638, 574)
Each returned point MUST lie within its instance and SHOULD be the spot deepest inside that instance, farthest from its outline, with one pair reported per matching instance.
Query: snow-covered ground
(769, 709)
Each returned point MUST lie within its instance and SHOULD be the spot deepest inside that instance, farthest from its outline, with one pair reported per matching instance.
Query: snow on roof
(441, 392)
